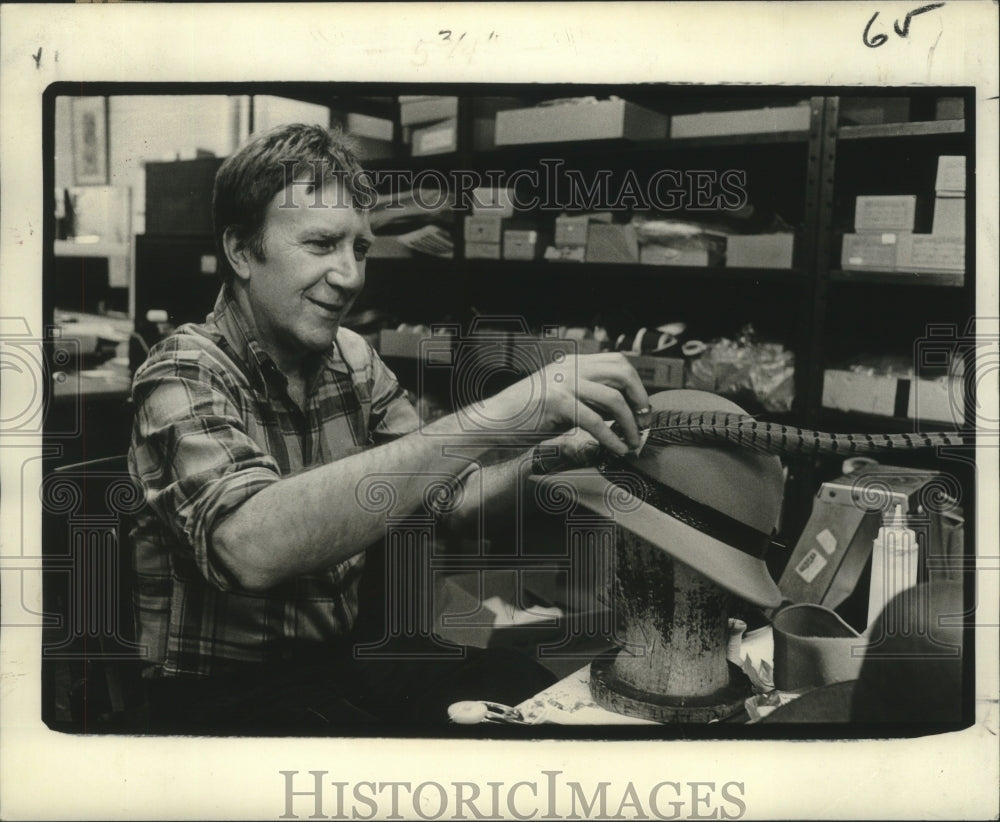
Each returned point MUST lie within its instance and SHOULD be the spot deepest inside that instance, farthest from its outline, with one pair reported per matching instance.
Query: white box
(929, 251)
(752, 121)
(950, 175)
(603, 120)
(894, 212)
(949, 217)
(847, 391)
(877, 251)
(938, 401)
(760, 250)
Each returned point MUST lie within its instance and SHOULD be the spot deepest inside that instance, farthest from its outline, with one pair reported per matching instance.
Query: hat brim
(728, 567)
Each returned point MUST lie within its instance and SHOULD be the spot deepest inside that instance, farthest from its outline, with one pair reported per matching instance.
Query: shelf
(68, 248)
(883, 130)
(948, 279)
(628, 270)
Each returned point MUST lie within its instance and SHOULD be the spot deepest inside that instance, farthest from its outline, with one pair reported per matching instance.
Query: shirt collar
(232, 325)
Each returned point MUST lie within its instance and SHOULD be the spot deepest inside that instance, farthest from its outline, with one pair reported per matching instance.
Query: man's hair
(250, 178)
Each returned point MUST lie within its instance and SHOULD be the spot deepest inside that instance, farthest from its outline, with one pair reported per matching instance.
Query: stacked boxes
(885, 240)
(482, 237)
(883, 225)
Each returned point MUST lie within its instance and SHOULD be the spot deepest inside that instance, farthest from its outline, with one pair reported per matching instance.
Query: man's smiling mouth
(331, 307)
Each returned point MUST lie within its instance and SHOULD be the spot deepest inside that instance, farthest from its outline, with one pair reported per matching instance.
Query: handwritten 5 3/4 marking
(450, 43)
(874, 41)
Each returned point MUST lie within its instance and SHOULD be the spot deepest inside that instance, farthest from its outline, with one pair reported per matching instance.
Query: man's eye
(361, 251)
(322, 245)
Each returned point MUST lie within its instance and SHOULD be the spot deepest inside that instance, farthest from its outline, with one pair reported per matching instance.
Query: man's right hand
(580, 391)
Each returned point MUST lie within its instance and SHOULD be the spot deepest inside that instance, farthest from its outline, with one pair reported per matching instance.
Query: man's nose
(346, 271)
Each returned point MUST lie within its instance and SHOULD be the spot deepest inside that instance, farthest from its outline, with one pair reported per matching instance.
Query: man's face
(313, 270)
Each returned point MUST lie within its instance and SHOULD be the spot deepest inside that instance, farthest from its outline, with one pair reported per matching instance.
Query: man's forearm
(315, 519)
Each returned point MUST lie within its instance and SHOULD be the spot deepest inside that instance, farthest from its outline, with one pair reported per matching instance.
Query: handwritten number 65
(904, 31)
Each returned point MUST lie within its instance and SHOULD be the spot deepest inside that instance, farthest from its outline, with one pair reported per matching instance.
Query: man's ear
(236, 253)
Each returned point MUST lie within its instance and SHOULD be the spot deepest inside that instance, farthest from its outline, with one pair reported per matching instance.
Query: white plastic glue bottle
(894, 563)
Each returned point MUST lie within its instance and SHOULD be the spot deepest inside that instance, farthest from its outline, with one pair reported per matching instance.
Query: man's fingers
(593, 423)
(612, 369)
(611, 403)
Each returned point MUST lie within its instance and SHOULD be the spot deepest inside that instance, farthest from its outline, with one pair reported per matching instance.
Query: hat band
(697, 515)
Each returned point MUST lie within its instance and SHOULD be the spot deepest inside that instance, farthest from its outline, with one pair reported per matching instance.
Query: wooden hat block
(671, 666)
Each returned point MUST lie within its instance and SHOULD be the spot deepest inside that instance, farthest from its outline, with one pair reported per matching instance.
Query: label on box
(810, 566)
(827, 541)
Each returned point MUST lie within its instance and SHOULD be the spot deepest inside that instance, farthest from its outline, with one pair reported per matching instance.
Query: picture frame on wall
(90, 141)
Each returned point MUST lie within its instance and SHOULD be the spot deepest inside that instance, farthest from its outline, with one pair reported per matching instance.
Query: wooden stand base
(612, 693)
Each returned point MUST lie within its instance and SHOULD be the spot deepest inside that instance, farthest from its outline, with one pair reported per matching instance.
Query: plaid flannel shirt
(214, 425)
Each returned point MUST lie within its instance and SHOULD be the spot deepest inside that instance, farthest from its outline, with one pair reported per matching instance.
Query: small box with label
(481, 251)
(931, 252)
(871, 252)
(895, 212)
(520, 244)
(571, 230)
(658, 372)
(483, 229)
(439, 138)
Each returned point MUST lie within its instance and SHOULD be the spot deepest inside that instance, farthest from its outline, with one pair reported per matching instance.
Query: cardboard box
(848, 391)
(482, 251)
(949, 108)
(950, 176)
(520, 244)
(481, 228)
(929, 251)
(695, 255)
(895, 212)
(370, 149)
(419, 110)
(566, 254)
(949, 217)
(937, 401)
(760, 250)
(364, 125)
(871, 252)
(439, 138)
(611, 243)
(752, 121)
(871, 111)
(603, 120)
(495, 202)
(571, 230)
(658, 372)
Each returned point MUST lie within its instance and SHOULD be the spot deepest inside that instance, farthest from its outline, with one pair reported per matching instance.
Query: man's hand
(579, 391)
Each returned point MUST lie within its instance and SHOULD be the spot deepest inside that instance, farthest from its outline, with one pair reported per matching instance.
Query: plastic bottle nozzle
(897, 520)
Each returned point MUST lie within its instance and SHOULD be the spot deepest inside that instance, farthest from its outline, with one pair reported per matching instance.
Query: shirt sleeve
(191, 452)
(392, 414)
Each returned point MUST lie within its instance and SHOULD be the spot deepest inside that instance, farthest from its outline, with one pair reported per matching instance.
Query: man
(254, 433)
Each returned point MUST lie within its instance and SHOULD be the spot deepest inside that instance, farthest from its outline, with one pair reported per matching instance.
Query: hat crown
(745, 485)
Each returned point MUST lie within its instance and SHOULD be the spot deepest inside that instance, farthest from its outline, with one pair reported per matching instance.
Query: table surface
(568, 701)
